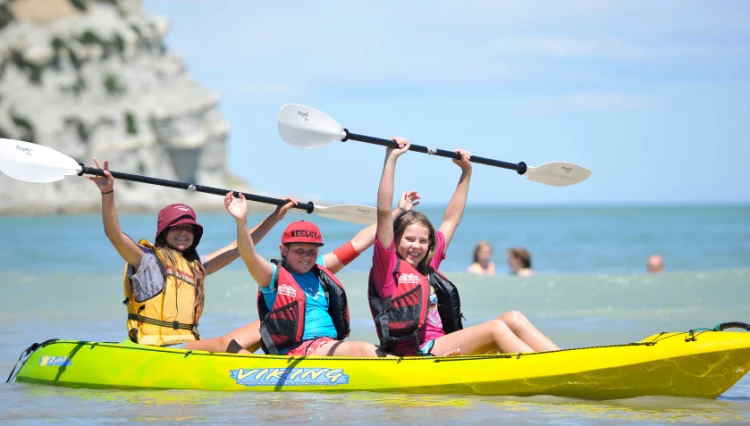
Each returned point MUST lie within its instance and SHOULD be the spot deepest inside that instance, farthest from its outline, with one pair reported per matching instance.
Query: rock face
(93, 78)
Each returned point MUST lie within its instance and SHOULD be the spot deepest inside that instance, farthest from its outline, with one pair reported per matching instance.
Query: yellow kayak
(700, 364)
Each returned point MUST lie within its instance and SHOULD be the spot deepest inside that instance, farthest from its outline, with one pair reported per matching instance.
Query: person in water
(164, 282)
(416, 309)
(655, 264)
(483, 264)
(519, 261)
(302, 305)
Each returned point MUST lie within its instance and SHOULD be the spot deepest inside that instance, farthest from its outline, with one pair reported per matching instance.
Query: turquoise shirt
(318, 322)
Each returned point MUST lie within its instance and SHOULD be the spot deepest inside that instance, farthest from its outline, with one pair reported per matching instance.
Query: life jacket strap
(385, 333)
(168, 324)
(268, 344)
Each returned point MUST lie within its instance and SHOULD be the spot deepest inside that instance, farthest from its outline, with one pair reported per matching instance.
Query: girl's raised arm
(385, 191)
(259, 268)
(127, 248)
(457, 204)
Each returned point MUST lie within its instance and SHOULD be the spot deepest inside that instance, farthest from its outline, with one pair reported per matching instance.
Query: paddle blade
(558, 174)
(307, 127)
(354, 213)
(34, 163)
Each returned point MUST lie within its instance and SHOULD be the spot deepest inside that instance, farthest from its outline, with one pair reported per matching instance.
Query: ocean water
(60, 278)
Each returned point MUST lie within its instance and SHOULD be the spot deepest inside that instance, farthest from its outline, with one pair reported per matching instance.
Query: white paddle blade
(307, 127)
(558, 174)
(34, 163)
(354, 213)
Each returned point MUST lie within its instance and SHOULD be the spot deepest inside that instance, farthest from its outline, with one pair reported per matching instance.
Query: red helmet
(302, 232)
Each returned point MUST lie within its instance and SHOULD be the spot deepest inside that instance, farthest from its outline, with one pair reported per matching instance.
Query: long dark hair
(191, 255)
(414, 217)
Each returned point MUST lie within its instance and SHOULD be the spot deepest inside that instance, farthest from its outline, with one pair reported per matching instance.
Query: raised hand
(464, 163)
(409, 199)
(403, 146)
(237, 207)
(281, 210)
(104, 183)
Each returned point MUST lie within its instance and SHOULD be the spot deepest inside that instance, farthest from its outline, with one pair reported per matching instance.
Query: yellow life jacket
(171, 316)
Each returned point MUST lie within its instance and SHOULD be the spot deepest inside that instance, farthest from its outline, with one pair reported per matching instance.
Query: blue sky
(652, 96)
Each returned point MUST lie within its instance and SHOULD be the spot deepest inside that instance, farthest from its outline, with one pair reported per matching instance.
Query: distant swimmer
(519, 260)
(483, 263)
(655, 264)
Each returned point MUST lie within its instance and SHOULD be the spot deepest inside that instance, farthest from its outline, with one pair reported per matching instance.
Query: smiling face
(300, 257)
(414, 244)
(180, 237)
(414, 238)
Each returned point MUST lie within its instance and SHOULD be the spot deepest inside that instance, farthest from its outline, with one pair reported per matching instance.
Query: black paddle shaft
(308, 207)
(520, 167)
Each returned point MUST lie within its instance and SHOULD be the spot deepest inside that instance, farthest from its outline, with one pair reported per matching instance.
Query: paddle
(40, 164)
(307, 127)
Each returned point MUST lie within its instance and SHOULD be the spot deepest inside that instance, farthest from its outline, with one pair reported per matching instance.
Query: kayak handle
(27, 353)
(734, 324)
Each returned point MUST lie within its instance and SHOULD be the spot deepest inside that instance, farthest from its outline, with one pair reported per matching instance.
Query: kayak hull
(702, 365)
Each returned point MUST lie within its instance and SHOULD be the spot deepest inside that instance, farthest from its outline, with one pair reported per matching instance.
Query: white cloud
(589, 101)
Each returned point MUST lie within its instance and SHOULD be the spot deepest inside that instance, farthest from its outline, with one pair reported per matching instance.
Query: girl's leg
(214, 344)
(353, 349)
(248, 337)
(509, 333)
(364, 350)
(522, 327)
(236, 341)
(488, 337)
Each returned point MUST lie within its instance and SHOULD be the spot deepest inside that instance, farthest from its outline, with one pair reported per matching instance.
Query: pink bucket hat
(178, 214)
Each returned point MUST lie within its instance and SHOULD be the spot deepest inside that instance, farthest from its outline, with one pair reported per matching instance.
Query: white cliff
(92, 78)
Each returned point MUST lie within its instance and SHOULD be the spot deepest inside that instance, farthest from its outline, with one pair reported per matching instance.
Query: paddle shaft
(308, 207)
(520, 167)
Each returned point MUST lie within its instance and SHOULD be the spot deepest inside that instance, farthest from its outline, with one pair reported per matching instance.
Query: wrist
(108, 192)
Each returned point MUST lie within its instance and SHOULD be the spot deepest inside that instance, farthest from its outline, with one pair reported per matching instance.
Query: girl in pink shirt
(413, 239)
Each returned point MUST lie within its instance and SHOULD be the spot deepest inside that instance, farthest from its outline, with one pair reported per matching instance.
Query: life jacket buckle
(175, 325)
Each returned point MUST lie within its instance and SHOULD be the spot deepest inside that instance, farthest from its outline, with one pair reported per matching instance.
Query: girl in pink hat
(164, 281)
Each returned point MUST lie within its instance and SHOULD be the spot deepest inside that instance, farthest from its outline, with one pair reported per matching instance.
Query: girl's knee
(512, 318)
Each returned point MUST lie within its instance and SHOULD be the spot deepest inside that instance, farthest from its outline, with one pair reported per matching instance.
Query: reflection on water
(354, 408)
